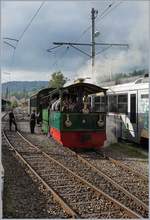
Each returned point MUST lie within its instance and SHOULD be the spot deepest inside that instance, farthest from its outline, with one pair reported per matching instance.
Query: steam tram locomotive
(70, 116)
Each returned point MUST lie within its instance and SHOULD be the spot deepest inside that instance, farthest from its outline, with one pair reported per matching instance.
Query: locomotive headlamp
(68, 123)
(83, 121)
(100, 122)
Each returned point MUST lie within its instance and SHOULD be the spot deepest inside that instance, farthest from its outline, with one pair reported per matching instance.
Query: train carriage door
(132, 125)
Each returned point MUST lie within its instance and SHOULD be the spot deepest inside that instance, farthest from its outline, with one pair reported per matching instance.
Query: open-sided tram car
(39, 101)
(81, 127)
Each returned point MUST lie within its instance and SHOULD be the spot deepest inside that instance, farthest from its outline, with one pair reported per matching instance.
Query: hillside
(21, 88)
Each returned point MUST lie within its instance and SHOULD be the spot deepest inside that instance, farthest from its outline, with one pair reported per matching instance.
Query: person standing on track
(32, 122)
(12, 120)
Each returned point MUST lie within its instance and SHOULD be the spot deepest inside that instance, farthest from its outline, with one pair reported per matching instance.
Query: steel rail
(98, 191)
(139, 202)
(4, 115)
(125, 167)
(57, 197)
(122, 165)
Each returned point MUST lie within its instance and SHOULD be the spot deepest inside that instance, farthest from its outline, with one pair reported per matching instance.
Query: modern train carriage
(128, 109)
(73, 121)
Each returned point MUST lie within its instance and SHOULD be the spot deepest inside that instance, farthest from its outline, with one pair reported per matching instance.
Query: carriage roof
(85, 87)
(42, 92)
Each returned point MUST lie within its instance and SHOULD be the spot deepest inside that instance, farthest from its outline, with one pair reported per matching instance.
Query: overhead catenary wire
(89, 27)
(115, 6)
(104, 49)
(30, 22)
(103, 13)
(108, 9)
(8, 38)
(10, 45)
(22, 34)
(63, 54)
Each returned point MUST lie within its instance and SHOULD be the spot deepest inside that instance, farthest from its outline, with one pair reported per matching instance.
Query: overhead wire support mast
(94, 14)
(74, 45)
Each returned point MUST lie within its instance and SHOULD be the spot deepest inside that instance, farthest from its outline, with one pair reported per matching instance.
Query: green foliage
(14, 104)
(57, 80)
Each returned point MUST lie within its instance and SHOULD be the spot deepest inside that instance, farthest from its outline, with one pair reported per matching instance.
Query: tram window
(97, 99)
(133, 108)
(97, 108)
(122, 103)
(112, 106)
(33, 102)
(96, 104)
(144, 96)
(102, 104)
(99, 104)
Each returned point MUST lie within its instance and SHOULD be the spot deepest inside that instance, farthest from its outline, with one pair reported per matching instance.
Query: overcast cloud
(65, 21)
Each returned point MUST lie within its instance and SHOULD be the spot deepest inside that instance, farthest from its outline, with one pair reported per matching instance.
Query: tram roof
(85, 87)
(43, 92)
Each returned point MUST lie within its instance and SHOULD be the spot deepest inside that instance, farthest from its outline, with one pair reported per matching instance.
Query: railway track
(77, 195)
(80, 165)
(129, 179)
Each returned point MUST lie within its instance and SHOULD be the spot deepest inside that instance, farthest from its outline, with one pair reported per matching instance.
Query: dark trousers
(32, 126)
(10, 124)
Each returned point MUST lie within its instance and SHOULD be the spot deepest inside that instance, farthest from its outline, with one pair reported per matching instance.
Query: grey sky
(65, 21)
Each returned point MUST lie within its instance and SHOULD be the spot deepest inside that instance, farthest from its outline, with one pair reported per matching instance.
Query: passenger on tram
(53, 103)
(57, 105)
(78, 106)
(72, 104)
(65, 104)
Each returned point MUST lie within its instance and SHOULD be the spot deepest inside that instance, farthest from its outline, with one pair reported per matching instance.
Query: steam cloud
(124, 60)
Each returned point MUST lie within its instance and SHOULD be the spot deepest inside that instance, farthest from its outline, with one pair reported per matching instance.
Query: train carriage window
(96, 104)
(112, 103)
(122, 103)
(102, 104)
(144, 96)
(133, 108)
(99, 104)
(33, 102)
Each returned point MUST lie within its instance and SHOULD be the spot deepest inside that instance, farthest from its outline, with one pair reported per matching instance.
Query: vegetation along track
(76, 195)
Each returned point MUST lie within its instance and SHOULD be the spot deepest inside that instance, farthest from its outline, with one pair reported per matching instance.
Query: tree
(14, 104)
(57, 80)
